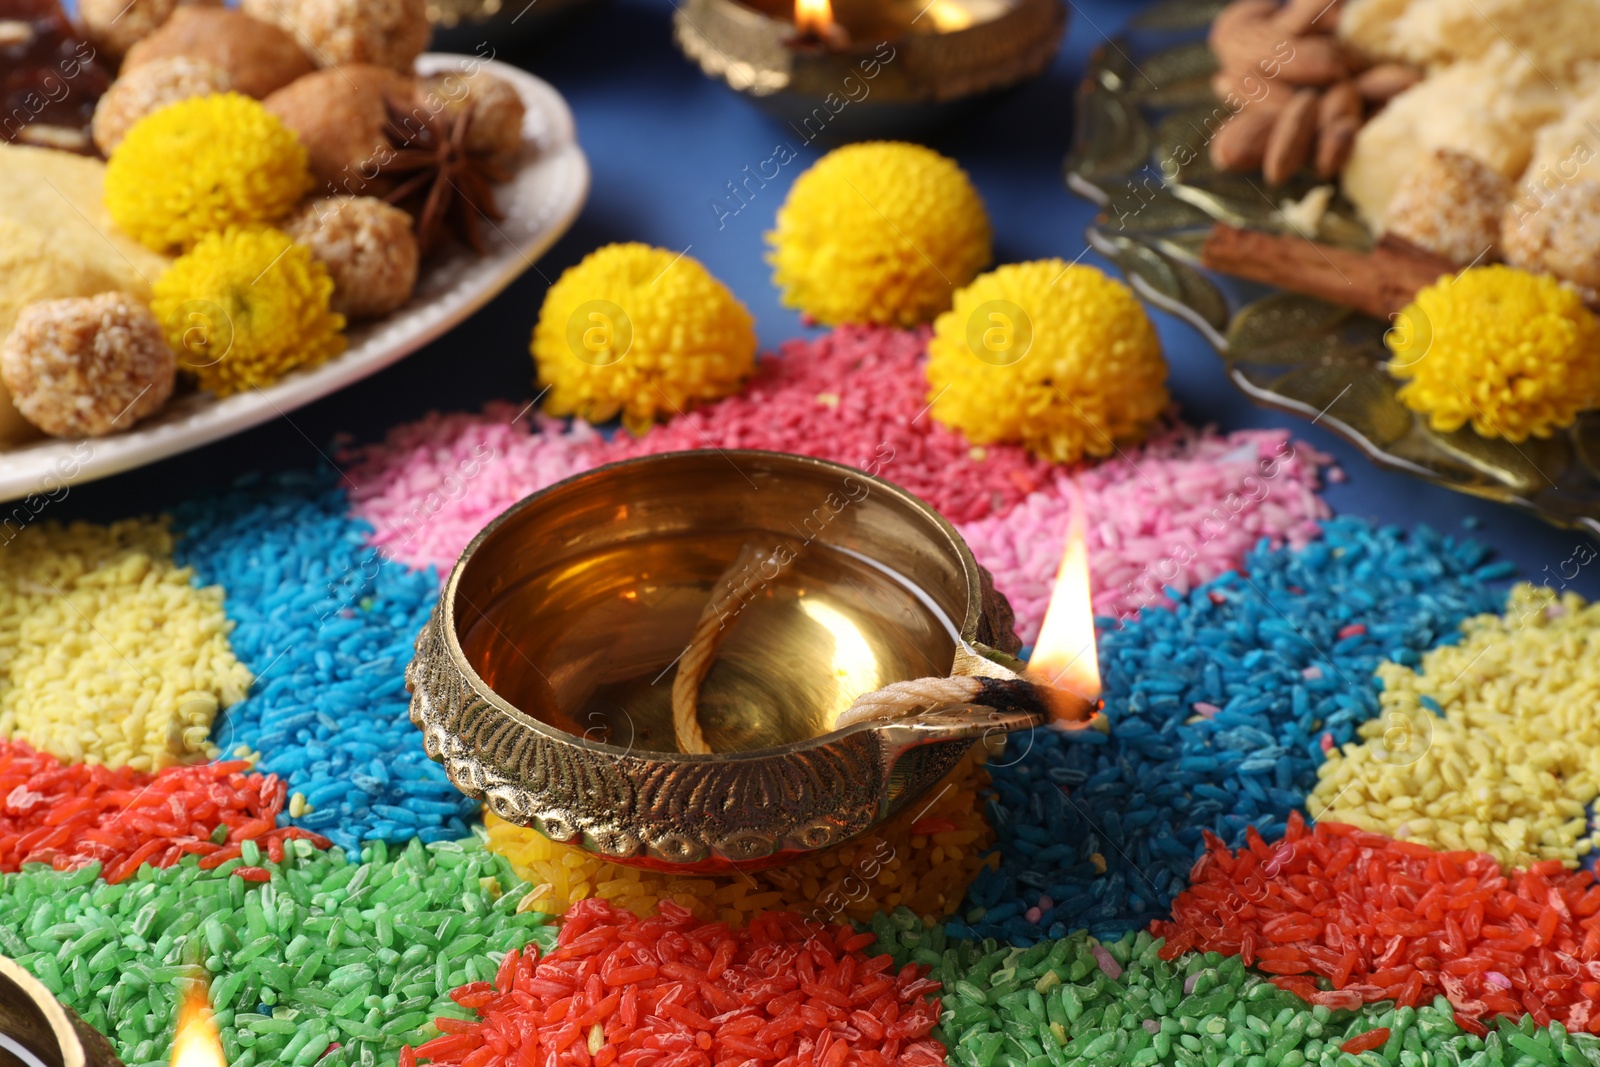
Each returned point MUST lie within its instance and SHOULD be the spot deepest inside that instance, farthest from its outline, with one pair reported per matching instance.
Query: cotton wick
(716, 620)
(900, 700)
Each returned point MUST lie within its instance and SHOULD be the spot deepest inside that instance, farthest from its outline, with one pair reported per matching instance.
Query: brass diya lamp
(469, 25)
(710, 660)
(837, 69)
(37, 1030)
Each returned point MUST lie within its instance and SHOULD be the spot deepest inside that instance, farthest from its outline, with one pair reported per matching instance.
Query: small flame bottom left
(197, 1043)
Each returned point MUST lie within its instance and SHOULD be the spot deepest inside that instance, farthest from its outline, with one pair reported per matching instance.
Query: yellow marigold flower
(246, 306)
(1513, 353)
(642, 331)
(879, 232)
(1059, 358)
(201, 165)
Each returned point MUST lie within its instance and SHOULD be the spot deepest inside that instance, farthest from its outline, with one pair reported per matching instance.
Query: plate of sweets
(212, 216)
(1400, 195)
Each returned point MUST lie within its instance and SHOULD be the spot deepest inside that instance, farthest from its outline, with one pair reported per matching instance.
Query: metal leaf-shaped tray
(1145, 113)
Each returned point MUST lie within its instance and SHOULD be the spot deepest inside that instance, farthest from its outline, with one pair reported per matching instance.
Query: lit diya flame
(197, 1043)
(1065, 662)
(813, 19)
(947, 16)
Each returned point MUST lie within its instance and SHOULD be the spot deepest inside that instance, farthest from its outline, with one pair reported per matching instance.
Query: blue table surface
(662, 141)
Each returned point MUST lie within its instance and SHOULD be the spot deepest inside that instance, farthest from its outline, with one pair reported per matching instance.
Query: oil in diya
(799, 627)
(828, 636)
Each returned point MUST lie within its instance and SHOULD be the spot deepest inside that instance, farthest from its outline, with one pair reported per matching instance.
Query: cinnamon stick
(1378, 283)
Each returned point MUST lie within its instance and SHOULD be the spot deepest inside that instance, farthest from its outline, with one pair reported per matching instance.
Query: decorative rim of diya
(758, 54)
(703, 812)
(31, 1018)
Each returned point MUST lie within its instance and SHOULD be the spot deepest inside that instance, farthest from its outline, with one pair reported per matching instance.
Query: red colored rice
(1384, 919)
(671, 991)
(1366, 1042)
(68, 815)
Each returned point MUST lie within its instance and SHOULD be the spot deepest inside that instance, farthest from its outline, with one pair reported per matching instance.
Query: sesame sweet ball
(389, 33)
(259, 56)
(114, 26)
(1559, 236)
(368, 248)
(150, 88)
(87, 366)
(1450, 204)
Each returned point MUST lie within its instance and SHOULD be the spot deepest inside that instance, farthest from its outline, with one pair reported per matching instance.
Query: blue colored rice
(327, 626)
(1264, 647)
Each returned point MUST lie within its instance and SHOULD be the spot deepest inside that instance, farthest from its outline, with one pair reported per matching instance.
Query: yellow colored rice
(108, 652)
(879, 871)
(1512, 760)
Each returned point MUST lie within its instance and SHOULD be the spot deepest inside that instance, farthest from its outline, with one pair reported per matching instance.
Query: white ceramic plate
(540, 203)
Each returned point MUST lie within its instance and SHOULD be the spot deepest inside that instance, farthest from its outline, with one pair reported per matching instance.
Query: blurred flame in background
(813, 16)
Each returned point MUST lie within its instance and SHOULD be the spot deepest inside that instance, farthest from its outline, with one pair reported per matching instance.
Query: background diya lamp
(829, 638)
(464, 25)
(840, 69)
(37, 1030)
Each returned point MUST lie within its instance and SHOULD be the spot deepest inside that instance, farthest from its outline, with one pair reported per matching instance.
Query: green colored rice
(328, 951)
(1053, 1005)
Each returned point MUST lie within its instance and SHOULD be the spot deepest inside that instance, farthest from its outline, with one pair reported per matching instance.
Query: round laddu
(149, 88)
(87, 366)
(368, 248)
(114, 26)
(1559, 235)
(495, 128)
(389, 33)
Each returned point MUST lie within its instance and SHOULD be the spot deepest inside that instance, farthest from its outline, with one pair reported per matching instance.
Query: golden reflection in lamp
(839, 69)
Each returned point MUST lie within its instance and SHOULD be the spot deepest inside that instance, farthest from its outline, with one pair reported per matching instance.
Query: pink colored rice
(857, 395)
(431, 485)
(1179, 511)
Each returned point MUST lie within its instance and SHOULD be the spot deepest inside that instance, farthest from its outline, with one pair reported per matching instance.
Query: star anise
(444, 185)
